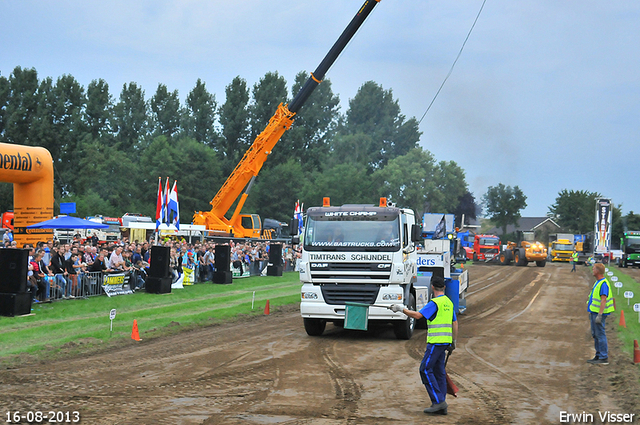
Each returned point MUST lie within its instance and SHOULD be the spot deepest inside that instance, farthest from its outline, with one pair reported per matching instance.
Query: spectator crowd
(70, 270)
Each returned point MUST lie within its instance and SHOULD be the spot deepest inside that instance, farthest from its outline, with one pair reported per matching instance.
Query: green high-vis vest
(594, 298)
(440, 328)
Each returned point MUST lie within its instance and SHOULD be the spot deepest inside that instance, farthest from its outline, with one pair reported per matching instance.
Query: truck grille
(332, 272)
(340, 294)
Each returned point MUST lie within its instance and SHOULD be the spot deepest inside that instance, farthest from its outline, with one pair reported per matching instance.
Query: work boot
(437, 408)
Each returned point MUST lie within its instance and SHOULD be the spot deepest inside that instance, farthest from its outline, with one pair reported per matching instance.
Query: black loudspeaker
(158, 285)
(275, 260)
(274, 270)
(15, 304)
(159, 266)
(222, 258)
(13, 270)
(223, 277)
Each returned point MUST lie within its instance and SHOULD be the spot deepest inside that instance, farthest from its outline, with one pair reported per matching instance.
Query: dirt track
(520, 359)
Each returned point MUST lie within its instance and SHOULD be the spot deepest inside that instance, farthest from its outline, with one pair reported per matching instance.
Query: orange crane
(245, 173)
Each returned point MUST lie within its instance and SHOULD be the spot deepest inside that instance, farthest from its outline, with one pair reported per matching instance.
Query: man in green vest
(600, 305)
(442, 325)
(574, 260)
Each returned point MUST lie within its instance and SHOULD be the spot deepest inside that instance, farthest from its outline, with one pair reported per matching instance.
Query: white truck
(362, 254)
(437, 256)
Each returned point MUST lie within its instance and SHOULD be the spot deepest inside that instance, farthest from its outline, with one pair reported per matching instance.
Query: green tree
(165, 112)
(68, 103)
(503, 204)
(313, 128)
(347, 183)
(276, 191)
(21, 104)
(234, 120)
(268, 93)
(374, 112)
(99, 110)
(130, 117)
(416, 181)
(200, 115)
(574, 210)
(5, 90)
(191, 163)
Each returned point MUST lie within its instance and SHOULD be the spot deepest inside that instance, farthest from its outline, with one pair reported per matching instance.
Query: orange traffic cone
(622, 322)
(266, 308)
(134, 333)
(636, 352)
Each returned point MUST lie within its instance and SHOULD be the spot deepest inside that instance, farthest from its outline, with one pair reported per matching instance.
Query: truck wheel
(541, 263)
(314, 327)
(404, 329)
(504, 258)
(522, 258)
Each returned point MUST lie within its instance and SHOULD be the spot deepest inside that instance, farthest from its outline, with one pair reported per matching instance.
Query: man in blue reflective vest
(600, 305)
(442, 325)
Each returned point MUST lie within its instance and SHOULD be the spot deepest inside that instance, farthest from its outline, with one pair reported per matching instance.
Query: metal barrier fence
(90, 284)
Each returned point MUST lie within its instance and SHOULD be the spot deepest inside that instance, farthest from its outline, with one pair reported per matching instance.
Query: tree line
(109, 152)
(573, 210)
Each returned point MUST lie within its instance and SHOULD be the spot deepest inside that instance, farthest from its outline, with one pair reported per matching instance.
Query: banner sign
(113, 284)
(603, 226)
(189, 275)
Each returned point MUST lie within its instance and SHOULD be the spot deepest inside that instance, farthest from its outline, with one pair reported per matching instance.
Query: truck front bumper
(315, 310)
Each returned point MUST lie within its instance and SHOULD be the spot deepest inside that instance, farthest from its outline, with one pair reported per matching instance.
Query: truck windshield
(371, 232)
(488, 241)
(633, 242)
(563, 247)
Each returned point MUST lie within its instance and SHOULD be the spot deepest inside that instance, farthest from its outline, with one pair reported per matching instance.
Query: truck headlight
(392, 297)
(309, 296)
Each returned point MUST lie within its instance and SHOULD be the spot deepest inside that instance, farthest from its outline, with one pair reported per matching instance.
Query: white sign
(628, 294)
(112, 315)
(609, 273)
(606, 269)
(617, 284)
(636, 307)
(614, 278)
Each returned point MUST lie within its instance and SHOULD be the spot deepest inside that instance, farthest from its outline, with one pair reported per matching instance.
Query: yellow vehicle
(523, 254)
(245, 173)
(561, 250)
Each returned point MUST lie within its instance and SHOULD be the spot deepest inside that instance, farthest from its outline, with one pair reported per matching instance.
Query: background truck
(486, 247)
(7, 220)
(359, 253)
(440, 251)
(561, 246)
(630, 247)
(237, 186)
(523, 253)
(466, 240)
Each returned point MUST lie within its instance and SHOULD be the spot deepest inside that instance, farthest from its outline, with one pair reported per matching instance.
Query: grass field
(67, 322)
(632, 331)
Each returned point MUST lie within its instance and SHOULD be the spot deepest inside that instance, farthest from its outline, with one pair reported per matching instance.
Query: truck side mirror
(293, 227)
(416, 233)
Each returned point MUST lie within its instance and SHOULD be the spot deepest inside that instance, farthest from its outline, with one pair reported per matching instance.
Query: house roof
(526, 224)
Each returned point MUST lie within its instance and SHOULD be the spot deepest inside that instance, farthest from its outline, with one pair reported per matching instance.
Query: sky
(545, 96)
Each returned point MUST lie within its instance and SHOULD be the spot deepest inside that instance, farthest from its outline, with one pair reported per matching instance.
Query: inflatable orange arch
(30, 169)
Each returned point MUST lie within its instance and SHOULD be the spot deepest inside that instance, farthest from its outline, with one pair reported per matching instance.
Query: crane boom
(249, 166)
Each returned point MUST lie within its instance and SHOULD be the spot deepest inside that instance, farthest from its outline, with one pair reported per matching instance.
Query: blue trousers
(599, 336)
(432, 372)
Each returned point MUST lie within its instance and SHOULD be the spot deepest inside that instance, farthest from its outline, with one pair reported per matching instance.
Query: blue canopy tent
(66, 222)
